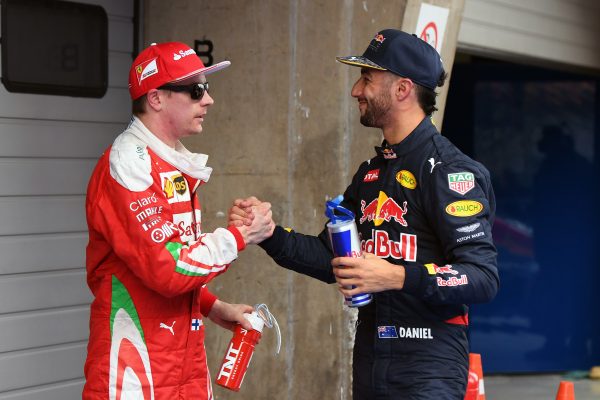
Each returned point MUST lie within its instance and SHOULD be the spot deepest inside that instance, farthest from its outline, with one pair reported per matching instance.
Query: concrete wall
(283, 128)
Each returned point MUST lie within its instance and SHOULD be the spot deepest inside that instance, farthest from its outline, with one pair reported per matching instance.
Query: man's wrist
(399, 277)
(240, 236)
(207, 301)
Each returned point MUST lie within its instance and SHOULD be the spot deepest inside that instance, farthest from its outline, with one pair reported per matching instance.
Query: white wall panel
(52, 138)
(117, 63)
(564, 32)
(46, 176)
(120, 35)
(49, 146)
(42, 366)
(31, 215)
(70, 390)
(115, 106)
(43, 328)
(46, 290)
(572, 11)
(37, 253)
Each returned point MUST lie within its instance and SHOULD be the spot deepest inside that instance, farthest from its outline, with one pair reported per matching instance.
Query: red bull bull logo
(388, 154)
(446, 269)
(379, 38)
(433, 269)
(383, 209)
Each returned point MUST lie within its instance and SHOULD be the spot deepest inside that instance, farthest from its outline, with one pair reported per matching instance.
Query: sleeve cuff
(207, 299)
(414, 279)
(239, 239)
(272, 245)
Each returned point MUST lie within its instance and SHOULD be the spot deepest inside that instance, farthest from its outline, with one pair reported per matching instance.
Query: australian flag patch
(387, 332)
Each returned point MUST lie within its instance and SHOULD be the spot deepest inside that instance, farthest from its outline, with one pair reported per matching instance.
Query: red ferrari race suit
(147, 266)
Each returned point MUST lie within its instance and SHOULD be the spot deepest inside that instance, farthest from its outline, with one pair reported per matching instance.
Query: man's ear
(154, 99)
(402, 88)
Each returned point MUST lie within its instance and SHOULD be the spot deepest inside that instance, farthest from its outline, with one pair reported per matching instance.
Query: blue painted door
(537, 131)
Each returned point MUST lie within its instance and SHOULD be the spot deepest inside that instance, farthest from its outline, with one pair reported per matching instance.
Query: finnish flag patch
(196, 324)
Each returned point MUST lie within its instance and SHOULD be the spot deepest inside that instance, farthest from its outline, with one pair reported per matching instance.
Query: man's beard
(376, 112)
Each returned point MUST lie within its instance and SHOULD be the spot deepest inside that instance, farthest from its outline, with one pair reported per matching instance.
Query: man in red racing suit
(147, 260)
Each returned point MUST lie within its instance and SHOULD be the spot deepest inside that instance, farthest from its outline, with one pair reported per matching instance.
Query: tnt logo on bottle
(239, 353)
(229, 362)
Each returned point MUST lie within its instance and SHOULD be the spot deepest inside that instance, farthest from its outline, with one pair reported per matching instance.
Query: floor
(537, 387)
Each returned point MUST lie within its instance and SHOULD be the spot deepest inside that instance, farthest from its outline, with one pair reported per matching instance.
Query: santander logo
(182, 53)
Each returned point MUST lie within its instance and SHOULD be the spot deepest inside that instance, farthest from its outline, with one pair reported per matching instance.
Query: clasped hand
(253, 218)
(367, 274)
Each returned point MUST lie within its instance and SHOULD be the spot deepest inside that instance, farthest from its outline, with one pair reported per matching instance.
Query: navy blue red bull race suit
(423, 204)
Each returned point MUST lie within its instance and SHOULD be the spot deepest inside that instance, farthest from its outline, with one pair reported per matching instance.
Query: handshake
(253, 218)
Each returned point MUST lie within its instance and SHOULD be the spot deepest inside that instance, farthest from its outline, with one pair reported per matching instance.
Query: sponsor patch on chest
(372, 175)
(175, 187)
(461, 182)
(383, 209)
(464, 208)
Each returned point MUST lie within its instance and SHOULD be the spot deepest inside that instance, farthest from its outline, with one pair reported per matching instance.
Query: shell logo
(464, 208)
(168, 188)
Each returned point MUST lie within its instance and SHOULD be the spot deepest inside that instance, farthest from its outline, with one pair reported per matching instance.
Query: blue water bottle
(345, 241)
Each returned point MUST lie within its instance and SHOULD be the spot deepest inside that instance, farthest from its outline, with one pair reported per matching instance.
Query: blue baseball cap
(403, 54)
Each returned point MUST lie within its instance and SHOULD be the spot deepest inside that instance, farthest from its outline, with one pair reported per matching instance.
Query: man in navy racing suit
(424, 213)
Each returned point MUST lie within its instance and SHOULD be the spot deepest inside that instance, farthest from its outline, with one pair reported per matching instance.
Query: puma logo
(167, 327)
(433, 164)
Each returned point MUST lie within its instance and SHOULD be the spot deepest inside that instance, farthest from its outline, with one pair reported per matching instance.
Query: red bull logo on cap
(383, 209)
(379, 38)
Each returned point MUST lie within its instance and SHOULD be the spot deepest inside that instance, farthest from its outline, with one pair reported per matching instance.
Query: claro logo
(464, 208)
(136, 205)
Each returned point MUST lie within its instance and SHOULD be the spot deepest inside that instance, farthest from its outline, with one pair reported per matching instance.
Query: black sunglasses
(196, 90)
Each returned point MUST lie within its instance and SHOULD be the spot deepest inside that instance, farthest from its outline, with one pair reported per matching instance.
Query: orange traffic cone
(475, 387)
(472, 386)
(566, 391)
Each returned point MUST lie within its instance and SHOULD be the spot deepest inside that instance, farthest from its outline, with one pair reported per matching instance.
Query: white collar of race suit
(193, 164)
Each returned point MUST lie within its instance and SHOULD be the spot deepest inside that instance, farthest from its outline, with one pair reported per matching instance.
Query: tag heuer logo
(461, 182)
